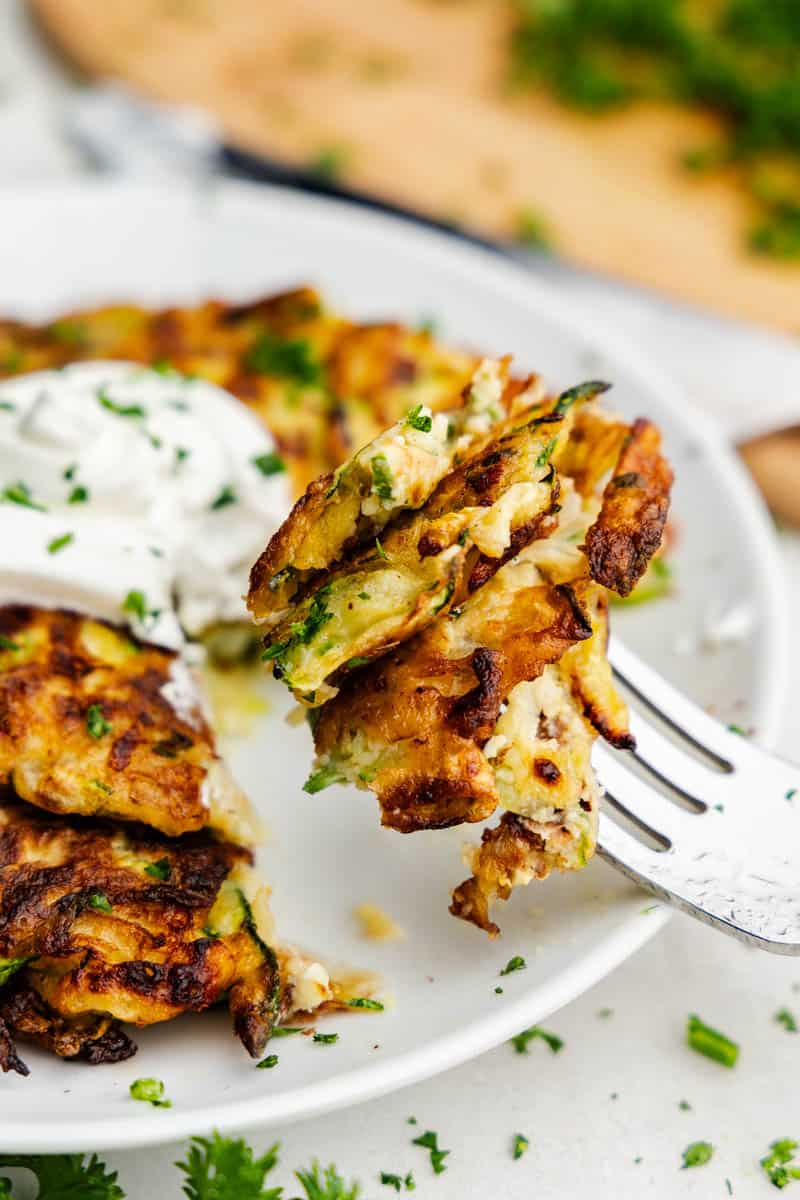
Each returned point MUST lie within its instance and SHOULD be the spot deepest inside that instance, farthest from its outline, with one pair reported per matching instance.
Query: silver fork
(709, 820)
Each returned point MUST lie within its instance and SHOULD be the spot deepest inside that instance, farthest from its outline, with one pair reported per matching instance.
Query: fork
(700, 816)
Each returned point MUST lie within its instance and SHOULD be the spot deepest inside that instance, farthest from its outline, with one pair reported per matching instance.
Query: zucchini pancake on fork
(449, 638)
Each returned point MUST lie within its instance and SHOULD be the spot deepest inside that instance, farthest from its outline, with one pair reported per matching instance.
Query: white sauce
(156, 520)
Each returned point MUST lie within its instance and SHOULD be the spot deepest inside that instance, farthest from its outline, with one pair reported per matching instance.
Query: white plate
(77, 245)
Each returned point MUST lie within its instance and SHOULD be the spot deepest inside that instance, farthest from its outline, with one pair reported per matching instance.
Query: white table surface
(602, 1116)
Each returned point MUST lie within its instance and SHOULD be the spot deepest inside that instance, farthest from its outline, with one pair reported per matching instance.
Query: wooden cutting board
(409, 96)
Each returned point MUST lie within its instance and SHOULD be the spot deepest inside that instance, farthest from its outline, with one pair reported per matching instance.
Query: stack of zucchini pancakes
(437, 601)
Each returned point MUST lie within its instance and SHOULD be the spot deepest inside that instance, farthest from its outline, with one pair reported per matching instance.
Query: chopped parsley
(787, 1019)
(269, 464)
(151, 1091)
(685, 1106)
(6, 643)
(738, 730)
(267, 1063)
(226, 496)
(417, 419)
(381, 477)
(522, 1040)
(329, 164)
(100, 902)
(363, 1002)
(605, 1013)
(521, 1144)
(181, 455)
(58, 543)
(381, 552)
(20, 493)
(546, 454)
(711, 1042)
(398, 1182)
(121, 410)
(136, 602)
(6, 405)
(430, 1141)
(530, 230)
(69, 472)
(326, 1039)
(78, 495)
(321, 779)
(790, 795)
(96, 723)
(498, 991)
(160, 869)
(286, 1030)
(359, 660)
(517, 963)
(776, 1164)
(697, 1154)
(101, 787)
(285, 358)
(364, 596)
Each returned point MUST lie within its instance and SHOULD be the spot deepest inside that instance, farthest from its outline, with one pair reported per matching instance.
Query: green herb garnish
(329, 163)
(517, 963)
(381, 552)
(285, 358)
(78, 495)
(530, 230)
(160, 869)
(381, 477)
(697, 1154)
(100, 902)
(121, 410)
(286, 1030)
(20, 493)
(135, 602)
(151, 1091)
(521, 1144)
(776, 1163)
(430, 1141)
(711, 1042)
(226, 496)
(96, 723)
(363, 1002)
(66, 1176)
(417, 419)
(58, 543)
(522, 1040)
(546, 454)
(9, 967)
(7, 644)
(328, 1186)
(326, 1039)
(269, 464)
(267, 1063)
(787, 1019)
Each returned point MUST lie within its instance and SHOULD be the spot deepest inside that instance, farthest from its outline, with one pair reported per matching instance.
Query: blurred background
(655, 142)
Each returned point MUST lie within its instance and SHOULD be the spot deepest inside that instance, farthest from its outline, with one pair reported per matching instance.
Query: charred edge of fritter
(508, 847)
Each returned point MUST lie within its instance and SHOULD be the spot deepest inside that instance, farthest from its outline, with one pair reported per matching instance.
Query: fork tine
(640, 799)
(695, 725)
(700, 782)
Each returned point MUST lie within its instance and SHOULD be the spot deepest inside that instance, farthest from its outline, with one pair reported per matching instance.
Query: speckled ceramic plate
(73, 245)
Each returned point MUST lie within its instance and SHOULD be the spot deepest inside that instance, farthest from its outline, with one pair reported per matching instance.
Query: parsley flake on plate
(522, 1040)
(521, 1144)
(151, 1091)
(776, 1164)
(58, 543)
(517, 963)
(19, 493)
(697, 1154)
(267, 1063)
(787, 1019)
(326, 1039)
(711, 1042)
(78, 495)
(430, 1141)
(364, 1002)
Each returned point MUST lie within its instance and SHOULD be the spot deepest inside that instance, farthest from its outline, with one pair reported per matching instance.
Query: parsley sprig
(430, 1141)
(522, 1040)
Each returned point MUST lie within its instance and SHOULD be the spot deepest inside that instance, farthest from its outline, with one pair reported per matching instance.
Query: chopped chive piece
(517, 963)
(121, 410)
(96, 723)
(711, 1042)
(322, 779)
(20, 493)
(100, 902)
(286, 1030)
(7, 644)
(269, 464)
(78, 495)
(363, 1002)
(521, 1144)
(58, 543)
(9, 967)
(787, 1020)
(547, 453)
(226, 496)
(360, 660)
(775, 1164)
(136, 603)
(160, 869)
(521, 1041)
(381, 552)
(697, 1154)
(151, 1091)
(266, 1063)
(430, 1141)
(381, 477)
(101, 787)
(326, 1039)
(417, 419)
(738, 729)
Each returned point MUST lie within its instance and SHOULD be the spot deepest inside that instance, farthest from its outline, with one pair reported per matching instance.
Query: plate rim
(520, 283)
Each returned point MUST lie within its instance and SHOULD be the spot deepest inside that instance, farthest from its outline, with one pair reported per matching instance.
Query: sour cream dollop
(133, 494)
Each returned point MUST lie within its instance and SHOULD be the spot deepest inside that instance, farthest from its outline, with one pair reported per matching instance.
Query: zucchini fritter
(103, 923)
(321, 384)
(433, 551)
(96, 723)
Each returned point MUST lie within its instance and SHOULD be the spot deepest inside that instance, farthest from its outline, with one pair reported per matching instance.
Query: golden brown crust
(117, 925)
(85, 725)
(25, 1016)
(506, 850)
(628, 530)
